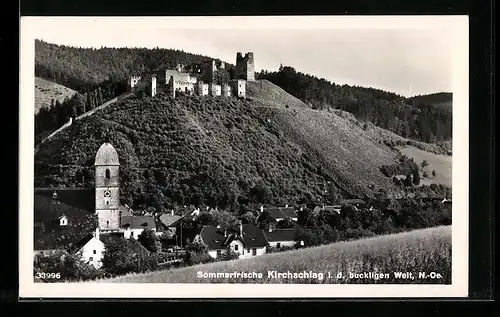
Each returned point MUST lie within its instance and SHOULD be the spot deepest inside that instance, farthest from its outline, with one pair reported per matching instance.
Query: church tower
(107, 187)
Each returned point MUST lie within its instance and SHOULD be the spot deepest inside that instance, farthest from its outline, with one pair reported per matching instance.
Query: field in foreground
(426, 250)
(442, 164)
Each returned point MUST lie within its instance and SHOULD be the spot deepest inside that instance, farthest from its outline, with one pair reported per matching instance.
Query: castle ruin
(198, 79)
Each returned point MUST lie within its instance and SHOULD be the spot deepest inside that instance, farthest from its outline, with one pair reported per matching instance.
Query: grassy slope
(426, 250)
(442, 164)
(46, 90)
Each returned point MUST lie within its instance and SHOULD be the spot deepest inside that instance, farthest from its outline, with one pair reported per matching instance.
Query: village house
(134, 225)
(90, 249)
(280, 213)
(278, 238)
(247, 240)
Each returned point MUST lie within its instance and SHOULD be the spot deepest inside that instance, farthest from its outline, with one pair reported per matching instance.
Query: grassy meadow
(442, 164)
(426, 250)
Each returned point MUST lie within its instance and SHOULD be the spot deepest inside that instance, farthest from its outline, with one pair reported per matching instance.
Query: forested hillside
(440, 99)
(387, 110)
(219, 151)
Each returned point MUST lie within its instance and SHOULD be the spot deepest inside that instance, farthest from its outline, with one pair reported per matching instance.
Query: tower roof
(106, 155)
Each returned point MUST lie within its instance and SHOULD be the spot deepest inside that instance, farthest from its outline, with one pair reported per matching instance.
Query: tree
(408, 179)
(225, 219)
(248, 217)
(416, 177)
(261, 193)
(424, 164)
(149, 240)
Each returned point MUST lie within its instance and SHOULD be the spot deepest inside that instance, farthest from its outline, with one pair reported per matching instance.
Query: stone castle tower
(107, 188)
(245, 67)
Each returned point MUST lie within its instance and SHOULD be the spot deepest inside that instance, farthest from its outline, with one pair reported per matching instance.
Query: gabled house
(90, 249)
(280, 213)
(247, 240)
(279, 238)
(170, 222)
(134, 225)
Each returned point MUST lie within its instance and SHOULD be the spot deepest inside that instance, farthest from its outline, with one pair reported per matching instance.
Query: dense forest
(387, 110)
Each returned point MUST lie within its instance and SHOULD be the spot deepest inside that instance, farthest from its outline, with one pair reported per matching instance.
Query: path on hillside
(86, 114)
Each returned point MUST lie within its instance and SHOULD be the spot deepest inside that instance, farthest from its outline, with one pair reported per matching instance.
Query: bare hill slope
(46, 90)
(271, 94)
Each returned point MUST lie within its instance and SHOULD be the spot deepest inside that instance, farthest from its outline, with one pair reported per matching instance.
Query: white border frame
(460, 169)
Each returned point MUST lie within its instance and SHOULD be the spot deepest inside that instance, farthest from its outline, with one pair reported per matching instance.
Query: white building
(90, 249)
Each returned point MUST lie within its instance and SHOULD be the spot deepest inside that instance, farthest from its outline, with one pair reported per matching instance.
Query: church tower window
(108, 174)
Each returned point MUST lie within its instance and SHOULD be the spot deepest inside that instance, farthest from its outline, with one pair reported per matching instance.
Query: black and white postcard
(247, 157)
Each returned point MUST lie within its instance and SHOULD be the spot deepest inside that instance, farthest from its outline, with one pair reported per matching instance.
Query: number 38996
(43, 275)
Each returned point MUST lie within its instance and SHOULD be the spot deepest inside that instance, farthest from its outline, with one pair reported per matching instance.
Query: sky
(405, 55)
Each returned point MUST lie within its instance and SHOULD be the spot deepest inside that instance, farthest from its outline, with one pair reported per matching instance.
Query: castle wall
(238, 87)
(226, 90)
(215, 90)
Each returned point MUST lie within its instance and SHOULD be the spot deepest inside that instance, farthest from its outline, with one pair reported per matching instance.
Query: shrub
(68, 267)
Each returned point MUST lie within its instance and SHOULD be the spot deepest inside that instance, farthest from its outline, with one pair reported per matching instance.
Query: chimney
(241, 229)
(96, 234)
(286, 206)
(225, 233)
(261, 209)
(218, 226)
(172, 212)
(270, 229)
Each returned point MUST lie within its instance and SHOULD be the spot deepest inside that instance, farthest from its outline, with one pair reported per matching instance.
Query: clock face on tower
(107, 193)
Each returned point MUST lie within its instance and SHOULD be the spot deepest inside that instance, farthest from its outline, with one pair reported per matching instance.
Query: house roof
(81, 198)
(138, 222)
(280, 235)
(282, 212)
(80, 244)
(125, 210)
(169, 220)
(59, 238)
(107, 238)
(352, 201)
(47, 209)
(214, 238)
